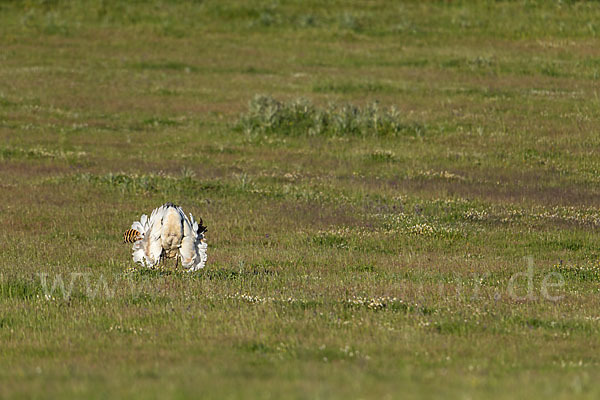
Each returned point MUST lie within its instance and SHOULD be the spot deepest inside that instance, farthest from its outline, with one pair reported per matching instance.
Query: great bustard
(168, 233)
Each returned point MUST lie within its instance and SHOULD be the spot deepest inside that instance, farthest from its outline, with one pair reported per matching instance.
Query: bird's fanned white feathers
(169, 233)
(193, 246)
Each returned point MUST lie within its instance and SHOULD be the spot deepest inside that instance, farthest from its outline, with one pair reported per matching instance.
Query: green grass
(401, 198)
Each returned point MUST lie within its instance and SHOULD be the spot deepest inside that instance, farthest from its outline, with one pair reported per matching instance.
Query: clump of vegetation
(298, 117)
(382, 155)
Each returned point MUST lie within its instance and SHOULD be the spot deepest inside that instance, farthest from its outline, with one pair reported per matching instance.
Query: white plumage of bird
(168, 233)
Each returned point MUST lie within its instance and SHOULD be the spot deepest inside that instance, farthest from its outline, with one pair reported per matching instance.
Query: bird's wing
(154, 246)
(148, 250)
(193, 247)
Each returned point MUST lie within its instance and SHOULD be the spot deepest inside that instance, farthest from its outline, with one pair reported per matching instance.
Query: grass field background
(401, 197)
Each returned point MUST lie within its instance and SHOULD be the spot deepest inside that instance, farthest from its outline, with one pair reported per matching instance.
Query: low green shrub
(300, 117)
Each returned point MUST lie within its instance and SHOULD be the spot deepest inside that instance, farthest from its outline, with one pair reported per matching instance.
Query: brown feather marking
(131, 236)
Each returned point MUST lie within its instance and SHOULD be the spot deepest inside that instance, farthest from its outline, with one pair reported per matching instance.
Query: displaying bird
(168, 233)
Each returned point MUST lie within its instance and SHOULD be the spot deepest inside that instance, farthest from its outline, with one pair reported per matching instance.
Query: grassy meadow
(401, 198)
